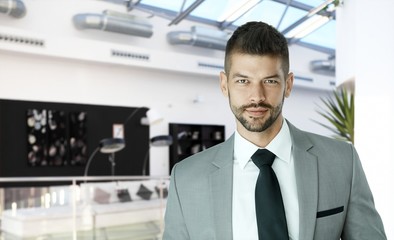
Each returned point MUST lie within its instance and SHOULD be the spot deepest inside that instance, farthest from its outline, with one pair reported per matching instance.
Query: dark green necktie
(270, 213)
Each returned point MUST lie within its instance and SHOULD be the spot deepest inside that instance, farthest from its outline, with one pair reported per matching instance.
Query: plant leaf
(338, 110)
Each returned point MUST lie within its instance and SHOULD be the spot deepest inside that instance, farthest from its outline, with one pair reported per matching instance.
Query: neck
(261, 139)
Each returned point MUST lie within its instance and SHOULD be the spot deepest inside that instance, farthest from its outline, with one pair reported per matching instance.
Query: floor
(145, 231)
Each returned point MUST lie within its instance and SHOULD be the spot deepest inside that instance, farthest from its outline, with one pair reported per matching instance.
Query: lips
(256, 112)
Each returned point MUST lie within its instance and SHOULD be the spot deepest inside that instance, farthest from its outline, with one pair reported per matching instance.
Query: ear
(223, 83)
(289, 84)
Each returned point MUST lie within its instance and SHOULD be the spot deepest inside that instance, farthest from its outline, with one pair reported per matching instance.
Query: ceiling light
(14, 8)
(309, 23)
(200, 37)
(112, 21)
(308, 26)
(237, 11)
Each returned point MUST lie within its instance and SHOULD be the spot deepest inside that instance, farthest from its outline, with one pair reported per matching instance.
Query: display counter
(119, 207)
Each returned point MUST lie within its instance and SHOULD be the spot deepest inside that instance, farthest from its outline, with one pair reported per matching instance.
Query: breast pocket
(329, 223)
(329, 212)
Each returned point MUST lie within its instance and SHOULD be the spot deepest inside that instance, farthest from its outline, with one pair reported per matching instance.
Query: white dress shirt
(244, 183)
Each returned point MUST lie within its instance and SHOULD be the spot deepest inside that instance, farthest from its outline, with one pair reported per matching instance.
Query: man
(213, 194)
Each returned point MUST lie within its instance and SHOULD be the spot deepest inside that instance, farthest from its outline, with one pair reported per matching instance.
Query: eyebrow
(240, 75)
(272, 76)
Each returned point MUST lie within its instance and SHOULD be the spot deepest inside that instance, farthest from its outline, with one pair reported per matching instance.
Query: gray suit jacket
(334, 197)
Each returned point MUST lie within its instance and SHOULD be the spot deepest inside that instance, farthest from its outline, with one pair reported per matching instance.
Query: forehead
(251, 64)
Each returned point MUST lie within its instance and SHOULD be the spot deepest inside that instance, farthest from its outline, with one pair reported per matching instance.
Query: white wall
(51, 77)
(369, 59)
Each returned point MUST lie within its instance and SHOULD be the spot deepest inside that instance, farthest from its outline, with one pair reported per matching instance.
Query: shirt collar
(281, 146)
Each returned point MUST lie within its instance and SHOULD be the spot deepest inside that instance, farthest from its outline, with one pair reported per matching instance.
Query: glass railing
(120, 207)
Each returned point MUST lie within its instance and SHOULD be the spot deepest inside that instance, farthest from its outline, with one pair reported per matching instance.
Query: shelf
(193, 138)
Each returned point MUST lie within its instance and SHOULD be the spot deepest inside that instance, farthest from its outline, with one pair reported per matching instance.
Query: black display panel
(56, 139)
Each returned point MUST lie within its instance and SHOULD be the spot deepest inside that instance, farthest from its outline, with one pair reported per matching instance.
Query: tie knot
(263, 157)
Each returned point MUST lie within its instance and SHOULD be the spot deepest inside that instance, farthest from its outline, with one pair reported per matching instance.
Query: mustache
(256, 105)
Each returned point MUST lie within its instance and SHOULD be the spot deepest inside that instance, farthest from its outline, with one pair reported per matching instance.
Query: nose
(257, 93)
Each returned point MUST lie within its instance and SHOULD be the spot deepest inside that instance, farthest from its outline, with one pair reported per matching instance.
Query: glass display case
(119, 207)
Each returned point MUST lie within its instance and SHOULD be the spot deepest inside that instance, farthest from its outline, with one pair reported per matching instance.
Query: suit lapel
(221, 181)
(307, 182)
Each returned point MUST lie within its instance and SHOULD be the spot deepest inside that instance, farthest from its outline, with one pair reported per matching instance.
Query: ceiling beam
(295, 4)
(311, 12)
(284, 13)
(130, 4)
(186, 12)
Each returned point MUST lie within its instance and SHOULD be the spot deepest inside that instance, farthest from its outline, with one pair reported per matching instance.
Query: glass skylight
(274, 12)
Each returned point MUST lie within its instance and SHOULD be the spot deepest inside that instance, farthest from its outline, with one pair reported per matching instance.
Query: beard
(253, 124)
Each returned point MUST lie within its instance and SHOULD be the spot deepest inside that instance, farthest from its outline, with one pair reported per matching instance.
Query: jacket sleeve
(174, 224)
(362, 220)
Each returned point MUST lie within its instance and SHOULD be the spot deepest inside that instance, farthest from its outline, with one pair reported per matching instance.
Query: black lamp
(112, 145)
(107, 146)
(157, 141)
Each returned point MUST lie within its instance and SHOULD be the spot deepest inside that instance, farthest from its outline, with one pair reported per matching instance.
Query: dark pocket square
(329, 212)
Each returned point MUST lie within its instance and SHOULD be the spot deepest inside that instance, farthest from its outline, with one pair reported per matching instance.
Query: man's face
(256, 87)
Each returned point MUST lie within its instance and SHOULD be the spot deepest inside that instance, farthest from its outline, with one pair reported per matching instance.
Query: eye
(271, 81)
(242, 81)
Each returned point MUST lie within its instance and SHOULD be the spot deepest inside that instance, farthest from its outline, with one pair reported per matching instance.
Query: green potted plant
(339, 111)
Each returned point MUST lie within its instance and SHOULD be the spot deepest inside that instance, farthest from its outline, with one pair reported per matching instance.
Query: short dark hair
(257, 38)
